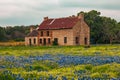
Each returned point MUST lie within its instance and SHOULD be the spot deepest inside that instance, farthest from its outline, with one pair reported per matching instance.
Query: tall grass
(12, 43)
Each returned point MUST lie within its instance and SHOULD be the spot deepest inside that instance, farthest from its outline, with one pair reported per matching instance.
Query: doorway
(77, 40)
(44, 41)
(55, 41)
(85, 41)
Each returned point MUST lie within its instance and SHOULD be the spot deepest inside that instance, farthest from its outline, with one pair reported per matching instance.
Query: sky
(32, 12)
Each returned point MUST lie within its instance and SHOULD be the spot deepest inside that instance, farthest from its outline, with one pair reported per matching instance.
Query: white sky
(28, 12)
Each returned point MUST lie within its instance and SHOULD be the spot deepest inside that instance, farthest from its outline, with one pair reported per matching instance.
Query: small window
(49, 41)
(44, 41)
(40, 41)
(77, 40)
(34, 41)
(65, 39)
(85, 41)
(47, 33)
(41, 33)
(30, 42)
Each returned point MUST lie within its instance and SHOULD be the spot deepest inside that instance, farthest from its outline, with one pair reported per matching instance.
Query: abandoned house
(62, 31)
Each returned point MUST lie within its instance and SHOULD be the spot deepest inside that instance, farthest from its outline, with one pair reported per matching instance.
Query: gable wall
(81, 30)
(87, 32)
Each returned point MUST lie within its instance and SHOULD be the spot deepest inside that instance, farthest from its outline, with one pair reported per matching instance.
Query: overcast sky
(28, 12)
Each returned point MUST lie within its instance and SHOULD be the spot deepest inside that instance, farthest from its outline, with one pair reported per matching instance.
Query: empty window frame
(65, 39)
(85, 40)
(34, 41)
(77, 40)
(49, 40)
(48, 33)
(41, 33)
(40, 41)
(30, 42)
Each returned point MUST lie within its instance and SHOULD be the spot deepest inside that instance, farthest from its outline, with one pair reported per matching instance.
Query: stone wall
(27, 41)
(79, 35)
(60, 34)
(82, 31)
(87, 32)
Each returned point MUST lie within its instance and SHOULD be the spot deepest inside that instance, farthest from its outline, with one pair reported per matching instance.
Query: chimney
(45, 18)
(81, 16)
(73, 16)
(31, 28)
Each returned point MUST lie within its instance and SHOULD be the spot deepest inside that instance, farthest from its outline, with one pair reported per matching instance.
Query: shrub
(54, 43)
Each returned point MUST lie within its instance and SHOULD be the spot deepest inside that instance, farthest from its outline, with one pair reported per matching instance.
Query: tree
(102, 29)
(93, 19)
(109, 29)
(2, 34)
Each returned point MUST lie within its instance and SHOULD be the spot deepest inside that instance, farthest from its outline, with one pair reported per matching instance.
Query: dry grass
(12, 43)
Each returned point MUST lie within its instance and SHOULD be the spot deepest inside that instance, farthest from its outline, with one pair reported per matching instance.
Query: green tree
(102, 29)
(109, 29)
(94, 20)
(2, 34)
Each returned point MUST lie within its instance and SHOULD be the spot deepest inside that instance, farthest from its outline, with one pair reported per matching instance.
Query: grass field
(103, 50)
(60, 62)
(12, 43)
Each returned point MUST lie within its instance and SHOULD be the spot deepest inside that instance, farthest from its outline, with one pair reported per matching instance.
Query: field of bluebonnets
(99, 62)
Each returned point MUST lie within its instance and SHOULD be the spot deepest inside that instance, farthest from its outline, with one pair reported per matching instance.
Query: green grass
(111, 70)
(47, 68)
(103, 50)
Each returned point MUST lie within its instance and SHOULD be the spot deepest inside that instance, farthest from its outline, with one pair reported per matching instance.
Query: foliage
(94, 50)
(2, 34)
(54, 43)
(16, 33)
(103, 29)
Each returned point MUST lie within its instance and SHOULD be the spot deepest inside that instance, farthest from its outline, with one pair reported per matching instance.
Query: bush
(54, 43)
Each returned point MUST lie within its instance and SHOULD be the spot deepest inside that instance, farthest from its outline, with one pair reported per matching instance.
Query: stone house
(62, 31)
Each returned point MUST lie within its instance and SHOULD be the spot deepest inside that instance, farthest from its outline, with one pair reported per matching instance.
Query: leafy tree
(2, 34)
(16, 33)
(109, 29)
(102, 29)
